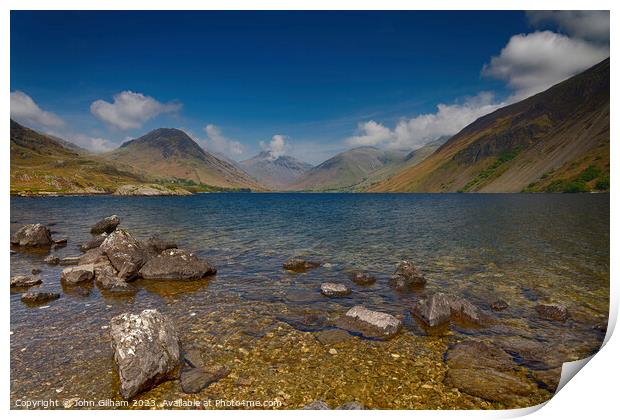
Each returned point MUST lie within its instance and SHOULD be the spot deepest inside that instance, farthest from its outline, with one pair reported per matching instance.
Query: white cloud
(94, 144)
(26, 111)
(130, 109)
(371, 133)
(531, 63)
(278, 146)
(415, 132)
(448, 120)
(592, 25)
(219, 143)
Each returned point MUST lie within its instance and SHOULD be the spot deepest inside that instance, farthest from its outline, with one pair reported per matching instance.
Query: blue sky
(308, 84)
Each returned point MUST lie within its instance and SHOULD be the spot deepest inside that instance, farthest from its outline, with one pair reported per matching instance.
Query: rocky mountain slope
(276, 172)
(168, 154)
(557, 140)
(347, 169)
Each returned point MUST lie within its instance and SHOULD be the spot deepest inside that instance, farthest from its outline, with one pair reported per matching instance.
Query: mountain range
(555, 141)
(276, 172)
(347, 169)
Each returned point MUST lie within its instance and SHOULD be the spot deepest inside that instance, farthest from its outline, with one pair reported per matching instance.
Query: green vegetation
(589, 174)
(603, 183)
(197, 187)
(591, 178)
(491, 170)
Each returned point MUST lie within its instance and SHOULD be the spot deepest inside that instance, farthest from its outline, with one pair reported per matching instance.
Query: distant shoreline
(80, 194)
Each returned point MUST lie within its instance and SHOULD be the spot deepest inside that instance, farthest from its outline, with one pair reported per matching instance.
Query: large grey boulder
(370, 323)
(78, 274)
(125, 253)
(24, 281)
(335, 290)
(176, 264)
(33, 235)
(146, 350)
(440, 308)
(484, 370)
(105, 225)
(407, 275)
(94, 242)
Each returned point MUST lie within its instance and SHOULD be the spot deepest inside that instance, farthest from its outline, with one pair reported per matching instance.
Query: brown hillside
(557, 140)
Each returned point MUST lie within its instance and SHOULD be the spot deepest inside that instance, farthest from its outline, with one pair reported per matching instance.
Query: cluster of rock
(147, 349)
(146, 346)
(21, 282)
(479, 368)
(113, 258)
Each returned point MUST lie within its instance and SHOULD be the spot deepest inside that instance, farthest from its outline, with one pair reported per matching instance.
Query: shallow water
(261, 320)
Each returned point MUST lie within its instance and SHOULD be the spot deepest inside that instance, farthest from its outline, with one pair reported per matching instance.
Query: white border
(593, 394)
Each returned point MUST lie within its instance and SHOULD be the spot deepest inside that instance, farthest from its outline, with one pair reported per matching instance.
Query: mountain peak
(172, 154)
(162, 135)
(275, 171)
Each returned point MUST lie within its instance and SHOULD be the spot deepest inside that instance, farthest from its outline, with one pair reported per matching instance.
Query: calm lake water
(260, 320)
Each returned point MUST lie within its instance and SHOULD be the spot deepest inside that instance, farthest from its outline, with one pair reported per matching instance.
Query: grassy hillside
(557, 140)
(41, 164)
(347, 169)
(412, 159)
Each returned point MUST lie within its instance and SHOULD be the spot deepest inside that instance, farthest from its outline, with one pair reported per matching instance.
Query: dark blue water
(521, 248)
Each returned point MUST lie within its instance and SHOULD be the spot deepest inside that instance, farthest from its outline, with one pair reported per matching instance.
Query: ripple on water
(263, 321)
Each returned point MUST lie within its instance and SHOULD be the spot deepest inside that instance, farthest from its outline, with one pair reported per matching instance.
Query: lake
(261, 321)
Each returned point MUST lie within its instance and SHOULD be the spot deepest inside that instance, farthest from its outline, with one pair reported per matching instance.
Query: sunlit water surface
(259, 319)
